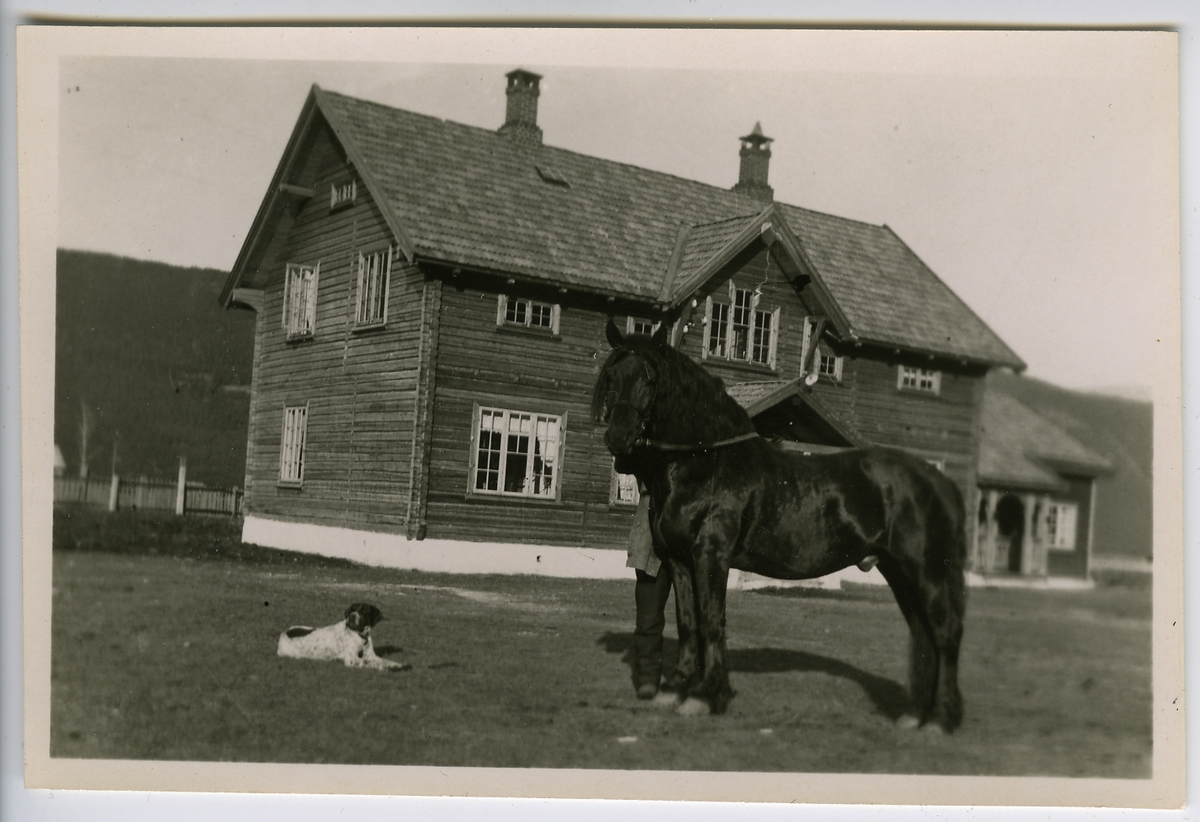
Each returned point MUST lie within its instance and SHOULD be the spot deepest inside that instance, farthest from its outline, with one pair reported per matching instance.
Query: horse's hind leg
(923, 656)
(711, 694)
(933, 609)
(946, 608)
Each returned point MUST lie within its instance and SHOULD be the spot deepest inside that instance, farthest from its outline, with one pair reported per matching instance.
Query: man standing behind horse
(650, 594)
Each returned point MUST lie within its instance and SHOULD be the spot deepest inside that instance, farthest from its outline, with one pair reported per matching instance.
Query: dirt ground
(172, 656)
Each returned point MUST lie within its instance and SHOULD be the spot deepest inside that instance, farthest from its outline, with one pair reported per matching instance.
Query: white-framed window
(919, 379)
(300, 299)
(624, 489)
(638, 325)
(828, 364)
(522, 313)
(516, 453)
(342, 193)
(292, 444)
(1061, 523)
(374, 273)
(740, 329)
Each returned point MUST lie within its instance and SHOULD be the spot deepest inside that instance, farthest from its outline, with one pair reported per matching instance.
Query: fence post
(233, 502)
(181, 489)
(113, 488)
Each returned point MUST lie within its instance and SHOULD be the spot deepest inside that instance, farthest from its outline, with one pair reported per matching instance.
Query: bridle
(643, 441)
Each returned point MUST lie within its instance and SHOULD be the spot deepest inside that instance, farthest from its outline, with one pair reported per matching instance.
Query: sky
(1035, 174)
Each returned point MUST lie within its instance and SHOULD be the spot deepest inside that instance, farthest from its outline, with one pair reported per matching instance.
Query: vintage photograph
(798, 417)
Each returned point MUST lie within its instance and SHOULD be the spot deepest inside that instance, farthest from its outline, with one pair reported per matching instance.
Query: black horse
(722, 497)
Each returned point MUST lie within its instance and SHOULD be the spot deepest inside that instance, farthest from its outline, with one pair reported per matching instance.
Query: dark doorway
(1010, 525)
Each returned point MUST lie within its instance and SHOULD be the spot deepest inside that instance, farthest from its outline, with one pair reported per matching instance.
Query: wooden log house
(432, 299)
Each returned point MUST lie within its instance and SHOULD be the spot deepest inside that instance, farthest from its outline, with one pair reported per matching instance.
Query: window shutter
(708, 328)
(359, 299)
(386, 285)
(312, 300)
(775, 315)
(554, 314)
(501, 307)
(562, 452)
(302, 456)
(473, 454)
(805, 342)
(284, 445)
(287, 283)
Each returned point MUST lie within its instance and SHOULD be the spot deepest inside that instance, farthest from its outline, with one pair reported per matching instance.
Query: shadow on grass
(887, 696)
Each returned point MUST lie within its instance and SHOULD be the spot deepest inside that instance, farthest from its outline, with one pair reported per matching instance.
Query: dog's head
(361, 617)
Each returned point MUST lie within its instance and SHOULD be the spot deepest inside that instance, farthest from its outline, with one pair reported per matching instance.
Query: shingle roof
(747, 394)
(888, 294)
(1021, 448)
(703, 243)
(470, 196)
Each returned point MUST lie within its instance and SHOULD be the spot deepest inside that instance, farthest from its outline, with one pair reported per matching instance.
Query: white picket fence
(146, 494)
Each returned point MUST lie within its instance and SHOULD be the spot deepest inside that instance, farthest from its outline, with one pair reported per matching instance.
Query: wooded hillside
(146, 353)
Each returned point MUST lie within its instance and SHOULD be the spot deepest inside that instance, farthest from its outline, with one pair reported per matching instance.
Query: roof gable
(760, 397)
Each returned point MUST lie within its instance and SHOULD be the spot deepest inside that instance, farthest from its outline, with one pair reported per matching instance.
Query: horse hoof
(908, 722)
(693, 706)
(667, 700)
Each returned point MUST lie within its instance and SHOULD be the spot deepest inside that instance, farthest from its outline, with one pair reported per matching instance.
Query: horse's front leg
(712, 692)
(676, 685)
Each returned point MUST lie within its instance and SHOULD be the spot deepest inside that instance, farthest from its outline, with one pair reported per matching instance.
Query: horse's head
(626, 388)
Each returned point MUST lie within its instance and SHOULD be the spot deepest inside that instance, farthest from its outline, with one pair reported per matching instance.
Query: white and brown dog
(348, 641)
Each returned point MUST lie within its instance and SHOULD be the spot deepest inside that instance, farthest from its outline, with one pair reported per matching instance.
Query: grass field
(163, 647)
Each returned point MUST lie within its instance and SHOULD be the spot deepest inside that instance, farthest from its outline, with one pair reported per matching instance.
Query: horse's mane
(690, 404)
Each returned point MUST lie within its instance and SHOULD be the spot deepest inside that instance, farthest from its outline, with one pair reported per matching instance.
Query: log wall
(359, 385)
(520, 370)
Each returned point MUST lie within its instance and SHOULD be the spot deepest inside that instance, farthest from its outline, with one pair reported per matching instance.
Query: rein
(646, 442)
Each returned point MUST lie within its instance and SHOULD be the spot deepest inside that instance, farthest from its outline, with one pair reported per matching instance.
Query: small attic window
(342, 194)
(552, 176)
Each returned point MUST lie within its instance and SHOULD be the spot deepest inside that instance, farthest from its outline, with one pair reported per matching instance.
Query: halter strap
(699, 446)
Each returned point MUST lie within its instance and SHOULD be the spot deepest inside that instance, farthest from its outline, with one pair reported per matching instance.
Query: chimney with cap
(520, 124)
(756, 157)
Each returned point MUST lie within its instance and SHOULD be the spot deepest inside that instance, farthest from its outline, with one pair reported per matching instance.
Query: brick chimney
(521, 122)
(756, 157)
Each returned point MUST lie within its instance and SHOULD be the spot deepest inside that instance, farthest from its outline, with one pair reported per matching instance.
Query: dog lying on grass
(348, 641)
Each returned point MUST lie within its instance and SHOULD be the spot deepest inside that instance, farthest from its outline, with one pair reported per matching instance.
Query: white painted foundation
(459, 557)
(439, 555)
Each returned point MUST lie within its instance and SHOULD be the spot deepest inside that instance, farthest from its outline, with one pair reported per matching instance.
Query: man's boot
(650, 596)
